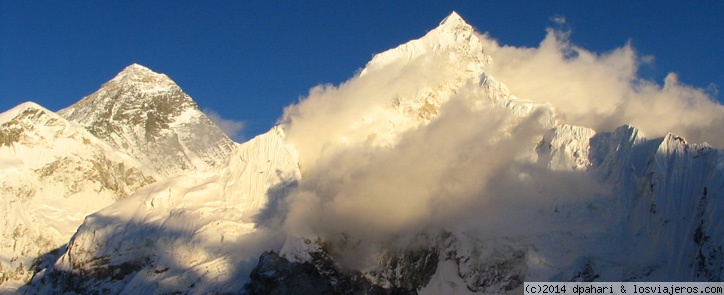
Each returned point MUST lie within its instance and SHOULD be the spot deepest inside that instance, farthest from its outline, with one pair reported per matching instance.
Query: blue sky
(246, 60)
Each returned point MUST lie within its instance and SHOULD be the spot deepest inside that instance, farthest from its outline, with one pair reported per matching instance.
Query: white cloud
(713, 89)
(357, 110)
(233, 129)
(647, 59)
(559, 19)
(463, 168)
(603, 91)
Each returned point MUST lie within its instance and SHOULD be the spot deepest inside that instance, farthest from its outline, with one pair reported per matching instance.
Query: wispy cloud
(558, 19)
(232, 128)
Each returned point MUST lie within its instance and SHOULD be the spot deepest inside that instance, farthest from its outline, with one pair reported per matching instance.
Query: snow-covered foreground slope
(421, 174)
(149, 117)
(203, 233)
(52, 174)
(194, 233)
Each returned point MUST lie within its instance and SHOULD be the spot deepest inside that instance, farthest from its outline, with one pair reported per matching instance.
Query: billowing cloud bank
(473, 165)
(603, 91)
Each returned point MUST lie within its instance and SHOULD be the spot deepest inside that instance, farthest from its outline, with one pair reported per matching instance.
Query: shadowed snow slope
(192, 233)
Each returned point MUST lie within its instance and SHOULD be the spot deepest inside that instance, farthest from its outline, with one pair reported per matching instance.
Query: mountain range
(422, 174)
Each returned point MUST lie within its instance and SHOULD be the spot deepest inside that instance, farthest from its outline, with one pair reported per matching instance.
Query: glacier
(423, 174)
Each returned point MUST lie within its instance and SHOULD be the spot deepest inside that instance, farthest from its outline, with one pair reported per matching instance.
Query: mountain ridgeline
(423, 174)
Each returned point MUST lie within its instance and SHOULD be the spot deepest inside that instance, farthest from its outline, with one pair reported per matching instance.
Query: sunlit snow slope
(52, 174)
(194, 232)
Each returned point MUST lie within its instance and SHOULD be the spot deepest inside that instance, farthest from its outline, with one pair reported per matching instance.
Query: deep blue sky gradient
(246, 60)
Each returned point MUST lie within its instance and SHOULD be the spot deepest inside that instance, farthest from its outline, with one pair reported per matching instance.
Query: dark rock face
(709, 261)
(586, 271)
(276, 275)
(410, 269)
(93, 279)
(498, 276)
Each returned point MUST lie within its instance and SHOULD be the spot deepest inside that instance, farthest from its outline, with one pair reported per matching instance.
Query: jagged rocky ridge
(656, 216)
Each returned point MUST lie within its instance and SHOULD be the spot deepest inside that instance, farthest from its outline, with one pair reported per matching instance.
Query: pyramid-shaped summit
(454, 19)
(137, 69)
(453, 37)
(147, 115)
(144, 79)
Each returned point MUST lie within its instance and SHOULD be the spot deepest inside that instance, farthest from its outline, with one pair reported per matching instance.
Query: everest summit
(424, 174)
(149, 117)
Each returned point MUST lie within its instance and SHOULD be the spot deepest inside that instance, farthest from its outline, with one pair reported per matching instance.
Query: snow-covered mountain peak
(136, 69)
(29, 116)
(143, 79)
(135, 84)
(52, 174)
(453, 21)
(453, 37)
(22, 106)
(148, 116)
(14, 112)
(411, 81)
